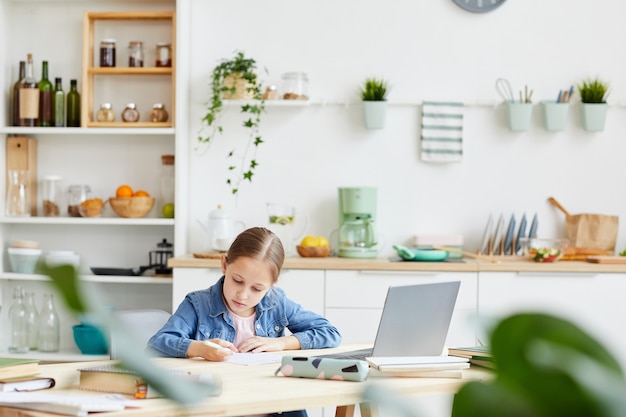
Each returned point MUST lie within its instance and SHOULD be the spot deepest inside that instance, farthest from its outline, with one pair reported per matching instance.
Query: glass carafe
(289, 224)
(49, 326)
(357, 239)
(19, 323)
(18, 198)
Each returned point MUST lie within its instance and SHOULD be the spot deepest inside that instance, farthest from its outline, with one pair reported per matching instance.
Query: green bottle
(73, 106)
(58, 104)
(15, 96)
(45, 98)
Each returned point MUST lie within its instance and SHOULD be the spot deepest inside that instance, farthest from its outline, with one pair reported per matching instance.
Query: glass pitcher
(18, 194)
(288, 224)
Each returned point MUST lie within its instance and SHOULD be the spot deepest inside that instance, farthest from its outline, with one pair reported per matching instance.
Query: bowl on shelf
(91, 207)
(131, 207)
(56, 258)
(24, 260)
(313, 251)
(90, 340)
(543, 249)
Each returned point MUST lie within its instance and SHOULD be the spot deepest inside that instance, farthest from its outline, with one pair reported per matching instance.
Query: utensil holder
(519, 115)
(554, 115)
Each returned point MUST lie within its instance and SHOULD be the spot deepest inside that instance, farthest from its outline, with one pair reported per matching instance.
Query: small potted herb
(236, 79)
(374, 95)
(594, 107)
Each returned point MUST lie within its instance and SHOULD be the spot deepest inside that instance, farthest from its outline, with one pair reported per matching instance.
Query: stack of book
(18, 374)
(477, 355)
(418, 366)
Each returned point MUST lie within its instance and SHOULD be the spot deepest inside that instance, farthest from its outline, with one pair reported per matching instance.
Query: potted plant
(236, 79)
(593, 96)
(374, 93)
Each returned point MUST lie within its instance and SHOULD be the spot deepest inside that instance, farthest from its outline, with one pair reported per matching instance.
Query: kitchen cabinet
(101, 156)
(594, 301)
(355, 299)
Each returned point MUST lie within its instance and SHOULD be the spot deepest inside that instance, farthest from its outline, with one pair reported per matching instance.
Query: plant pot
(594, 116)
(375, 114)
(554, 115)
(519, 115)
(241, 88)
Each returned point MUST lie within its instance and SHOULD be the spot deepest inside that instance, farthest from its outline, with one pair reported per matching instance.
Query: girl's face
(246, 283)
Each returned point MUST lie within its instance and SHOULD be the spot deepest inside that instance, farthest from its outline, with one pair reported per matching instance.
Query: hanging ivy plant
(236, 79)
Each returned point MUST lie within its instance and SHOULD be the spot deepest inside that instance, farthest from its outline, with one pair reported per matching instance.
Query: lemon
(317, 241)
(168, 211)
(322, 241)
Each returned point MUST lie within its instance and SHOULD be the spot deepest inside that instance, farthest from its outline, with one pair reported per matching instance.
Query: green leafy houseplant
(374, 89)
(236, 78)
(593, 91)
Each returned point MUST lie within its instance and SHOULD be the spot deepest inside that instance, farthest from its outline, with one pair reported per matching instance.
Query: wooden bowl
(131, 207)
(313, 251)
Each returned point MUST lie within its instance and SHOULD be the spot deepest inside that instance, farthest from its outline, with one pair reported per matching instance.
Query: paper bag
(592, 231)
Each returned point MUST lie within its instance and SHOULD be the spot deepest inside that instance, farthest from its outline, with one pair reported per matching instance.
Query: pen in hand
(216, 346)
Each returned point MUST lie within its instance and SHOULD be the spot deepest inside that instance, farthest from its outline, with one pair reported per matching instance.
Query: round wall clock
(479, 6)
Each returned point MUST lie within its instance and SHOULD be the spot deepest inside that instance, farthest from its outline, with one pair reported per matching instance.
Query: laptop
(414, 322)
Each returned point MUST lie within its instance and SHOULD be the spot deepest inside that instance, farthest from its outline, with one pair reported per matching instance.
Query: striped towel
(442, 131)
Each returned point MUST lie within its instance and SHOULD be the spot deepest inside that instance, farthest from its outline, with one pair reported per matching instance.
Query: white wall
(430, 50)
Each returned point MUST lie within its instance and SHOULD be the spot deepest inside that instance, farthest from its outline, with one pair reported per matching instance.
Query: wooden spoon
(556, 204)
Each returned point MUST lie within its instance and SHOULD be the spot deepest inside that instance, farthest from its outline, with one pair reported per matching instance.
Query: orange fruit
(141, 193)
(124, 191)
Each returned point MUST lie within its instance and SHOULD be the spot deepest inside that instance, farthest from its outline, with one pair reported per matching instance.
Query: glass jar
(163, 54)
(159, 114)
(295, 86)
(271, 93)
(106, 113)
(50, 196)
(130, 113)
(135, 54)
(107, 53)
(76, 195)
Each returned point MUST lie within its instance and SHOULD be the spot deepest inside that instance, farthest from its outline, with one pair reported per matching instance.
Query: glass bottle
(167, 186)
(158, 114)
(33, 320)
(29, 96)
(135, 54)
(73, 106)
(45, 97)
(18, 194)
(130, 113)
(15, 96)
(19, 323)
(49, 326)
(58, 104)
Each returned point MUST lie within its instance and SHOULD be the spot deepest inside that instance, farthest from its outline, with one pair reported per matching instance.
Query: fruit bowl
(131, 207)
(313, 251)
(543, 250)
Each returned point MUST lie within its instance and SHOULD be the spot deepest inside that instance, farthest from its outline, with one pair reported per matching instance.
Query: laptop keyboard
(360, 354)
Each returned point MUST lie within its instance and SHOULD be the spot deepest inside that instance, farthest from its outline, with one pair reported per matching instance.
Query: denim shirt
(203, 315)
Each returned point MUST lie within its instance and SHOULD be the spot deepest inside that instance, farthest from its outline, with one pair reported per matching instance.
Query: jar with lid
(295, 86)
(135, 54)
(106, 113)
(159, 114)
(76, 195)
(163, 54)
(130, 113)
(167, 186)
(271, 93)
(51, 196)
(107, 52)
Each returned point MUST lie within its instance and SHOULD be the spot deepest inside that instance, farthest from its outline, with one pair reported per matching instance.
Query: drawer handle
(558, 274)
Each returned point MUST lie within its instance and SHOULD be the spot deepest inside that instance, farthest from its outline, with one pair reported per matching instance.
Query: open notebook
(414, 322)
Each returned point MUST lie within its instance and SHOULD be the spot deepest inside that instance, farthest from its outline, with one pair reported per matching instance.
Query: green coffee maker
(357, 215)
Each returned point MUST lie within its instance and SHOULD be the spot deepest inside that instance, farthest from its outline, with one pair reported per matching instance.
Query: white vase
(594, 116)
(375, 114)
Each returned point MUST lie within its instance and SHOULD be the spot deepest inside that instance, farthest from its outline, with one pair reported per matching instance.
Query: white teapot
(221, 229)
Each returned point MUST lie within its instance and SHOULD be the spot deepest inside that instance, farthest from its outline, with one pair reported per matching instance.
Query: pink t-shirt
(244, 327)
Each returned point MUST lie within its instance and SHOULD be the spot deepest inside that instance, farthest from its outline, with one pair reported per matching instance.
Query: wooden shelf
(90, 72)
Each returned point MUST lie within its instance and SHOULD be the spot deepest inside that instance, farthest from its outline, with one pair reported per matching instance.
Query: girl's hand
(210, 353)
(258, 344)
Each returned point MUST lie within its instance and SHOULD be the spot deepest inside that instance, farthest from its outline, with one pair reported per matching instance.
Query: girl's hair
(261, 244)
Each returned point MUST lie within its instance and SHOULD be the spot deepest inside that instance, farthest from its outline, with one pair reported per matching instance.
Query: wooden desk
(252, 389)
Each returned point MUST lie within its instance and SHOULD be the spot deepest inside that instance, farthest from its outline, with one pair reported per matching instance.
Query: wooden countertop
(506, 264)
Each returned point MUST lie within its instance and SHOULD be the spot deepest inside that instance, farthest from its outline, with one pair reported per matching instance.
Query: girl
(244, 311)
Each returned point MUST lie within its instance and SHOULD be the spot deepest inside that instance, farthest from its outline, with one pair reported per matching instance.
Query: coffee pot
(221, 229)
(357, 238)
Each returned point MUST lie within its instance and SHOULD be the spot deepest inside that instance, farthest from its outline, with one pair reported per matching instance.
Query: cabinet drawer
(368, 289)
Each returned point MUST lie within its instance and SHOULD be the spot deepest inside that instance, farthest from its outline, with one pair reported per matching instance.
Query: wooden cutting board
(607, 259)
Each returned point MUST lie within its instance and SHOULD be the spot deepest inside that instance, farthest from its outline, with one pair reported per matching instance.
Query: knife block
(21, 154)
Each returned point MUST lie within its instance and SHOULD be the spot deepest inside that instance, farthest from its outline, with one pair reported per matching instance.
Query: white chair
(143, 324)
